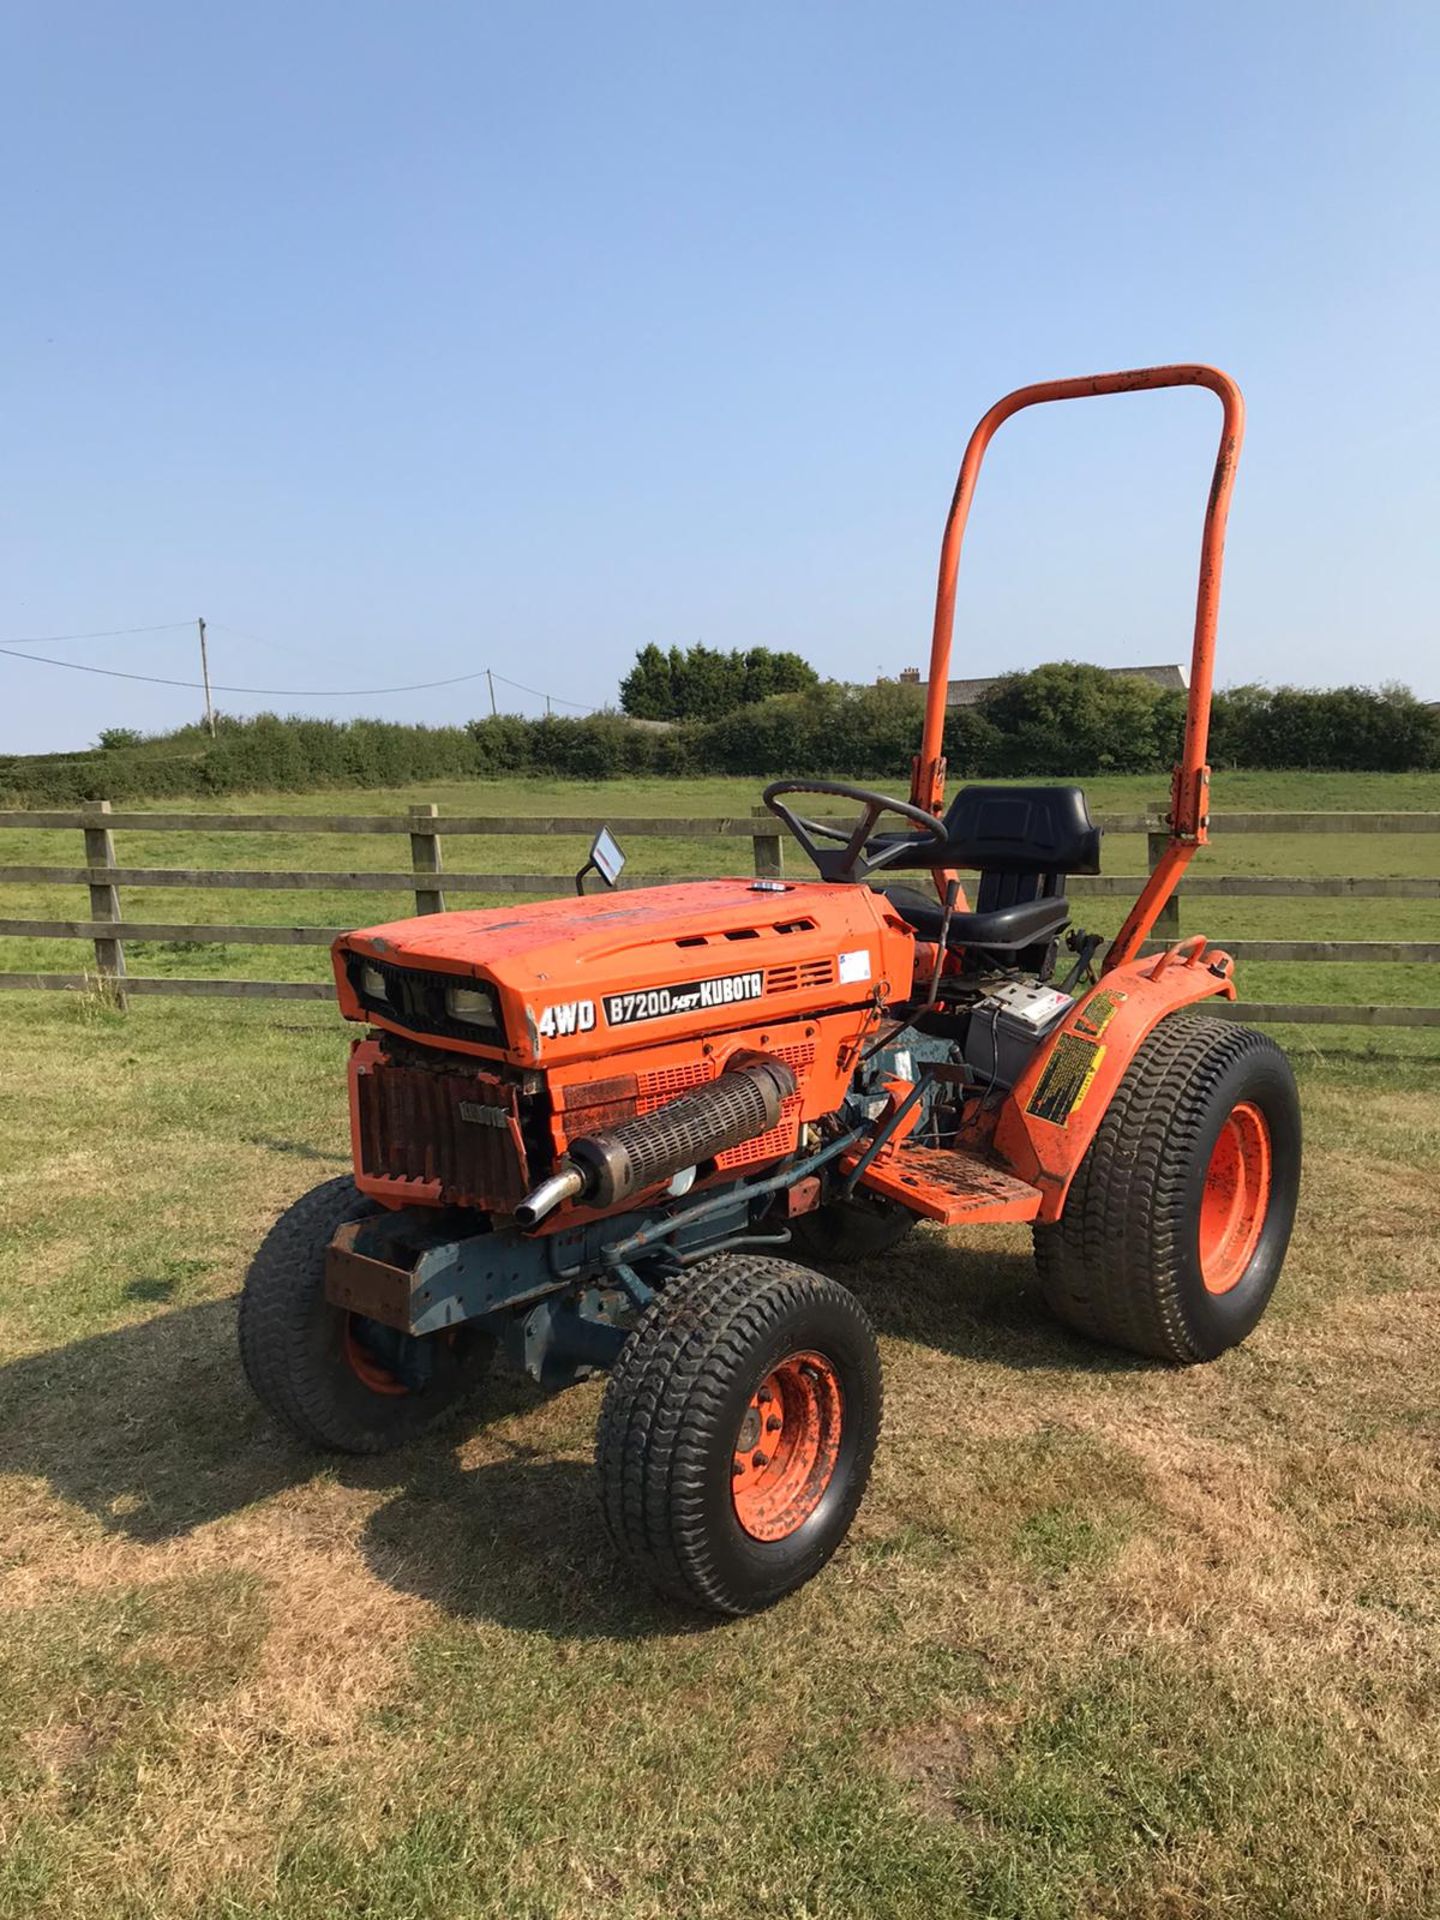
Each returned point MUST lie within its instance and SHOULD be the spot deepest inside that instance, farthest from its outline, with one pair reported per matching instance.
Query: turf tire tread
(1109, 1266)
(293, 1369)
(664, 1399)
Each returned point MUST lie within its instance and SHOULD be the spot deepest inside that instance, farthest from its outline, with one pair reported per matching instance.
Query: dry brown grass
(1108, 1639)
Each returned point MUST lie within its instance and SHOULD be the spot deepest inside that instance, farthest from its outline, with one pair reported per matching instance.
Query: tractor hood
(585, 977)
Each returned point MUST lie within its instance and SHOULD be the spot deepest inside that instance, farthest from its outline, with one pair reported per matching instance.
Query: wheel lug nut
(774, 1423)
(758, 1460)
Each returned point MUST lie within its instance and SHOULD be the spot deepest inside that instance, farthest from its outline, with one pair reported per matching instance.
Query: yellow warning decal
(1098, 1012)
(1066, 1080)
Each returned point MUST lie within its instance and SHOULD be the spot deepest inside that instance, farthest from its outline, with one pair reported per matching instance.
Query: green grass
(1107, 1640)
(1300, 855)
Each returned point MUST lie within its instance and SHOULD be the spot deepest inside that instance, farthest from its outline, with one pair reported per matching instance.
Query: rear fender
(1056, 1107)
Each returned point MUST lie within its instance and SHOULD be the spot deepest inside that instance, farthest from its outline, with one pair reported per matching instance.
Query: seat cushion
(1002, 929)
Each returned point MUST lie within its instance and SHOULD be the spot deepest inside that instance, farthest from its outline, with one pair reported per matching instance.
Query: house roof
(964, 693)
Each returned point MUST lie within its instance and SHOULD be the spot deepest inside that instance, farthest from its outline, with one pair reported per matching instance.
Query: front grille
(415, 1000)
(458, 1129)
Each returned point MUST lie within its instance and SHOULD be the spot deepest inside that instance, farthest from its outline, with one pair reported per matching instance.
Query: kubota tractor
(597, 1132)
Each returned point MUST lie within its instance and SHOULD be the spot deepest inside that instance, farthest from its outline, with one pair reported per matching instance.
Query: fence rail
(660, 826)
(426, 880)
(398, 880)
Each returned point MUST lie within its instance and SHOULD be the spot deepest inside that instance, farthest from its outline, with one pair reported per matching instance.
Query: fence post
(1167, 925)
(425, 858)
(105, 905)
(769, 847)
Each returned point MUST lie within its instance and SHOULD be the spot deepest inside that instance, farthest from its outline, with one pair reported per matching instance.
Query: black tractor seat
(1011, 830)
(1026, 923)
(1023, 841)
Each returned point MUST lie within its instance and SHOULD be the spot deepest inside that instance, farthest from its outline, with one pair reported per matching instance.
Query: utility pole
(490, 681)
(205, 676)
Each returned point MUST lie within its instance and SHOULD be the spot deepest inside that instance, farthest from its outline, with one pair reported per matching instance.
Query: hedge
(1058, 720)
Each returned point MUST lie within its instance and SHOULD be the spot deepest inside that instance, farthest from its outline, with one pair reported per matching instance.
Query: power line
(240, 633)
(95, 756)
(286, 693)
(296, 693)
(540, 694)
(104, 633)
(292, 693)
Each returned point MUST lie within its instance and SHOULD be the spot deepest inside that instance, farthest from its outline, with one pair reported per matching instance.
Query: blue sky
(401, 341)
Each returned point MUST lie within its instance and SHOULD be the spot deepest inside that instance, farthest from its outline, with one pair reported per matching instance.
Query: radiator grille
(458, 1129)
(780, 1139)
(665, 1082)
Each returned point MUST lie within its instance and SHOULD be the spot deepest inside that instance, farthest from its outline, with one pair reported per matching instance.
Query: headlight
(475, 1006)
(372, 983)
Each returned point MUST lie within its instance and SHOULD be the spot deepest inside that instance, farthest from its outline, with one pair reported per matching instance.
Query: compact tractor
(597, 1132)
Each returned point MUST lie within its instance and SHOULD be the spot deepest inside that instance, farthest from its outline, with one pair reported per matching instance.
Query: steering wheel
(853, 862)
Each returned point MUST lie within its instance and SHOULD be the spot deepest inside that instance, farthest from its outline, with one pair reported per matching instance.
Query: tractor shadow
(519, 1542)
(147, 1427)
(153, 1431)
(977, 1302)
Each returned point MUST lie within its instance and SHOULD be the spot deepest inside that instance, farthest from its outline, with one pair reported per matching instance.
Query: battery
(1007, 1025)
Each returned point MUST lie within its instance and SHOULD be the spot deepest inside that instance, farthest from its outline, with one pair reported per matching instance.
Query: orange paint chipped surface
(787, 1446)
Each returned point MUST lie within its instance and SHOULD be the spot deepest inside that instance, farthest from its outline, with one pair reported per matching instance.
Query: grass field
(1400, 855)
(1107, 1640)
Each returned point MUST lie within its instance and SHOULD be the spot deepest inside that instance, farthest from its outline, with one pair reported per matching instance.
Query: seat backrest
(1008, 889)
(1044, 831)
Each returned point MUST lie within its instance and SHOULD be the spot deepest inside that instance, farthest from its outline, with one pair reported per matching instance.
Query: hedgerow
(1058, 720)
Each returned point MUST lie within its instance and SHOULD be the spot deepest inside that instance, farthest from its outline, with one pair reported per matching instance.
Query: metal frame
(409, 1271)
(1189, 799)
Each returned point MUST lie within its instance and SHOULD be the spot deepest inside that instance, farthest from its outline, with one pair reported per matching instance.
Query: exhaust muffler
(604, 1169)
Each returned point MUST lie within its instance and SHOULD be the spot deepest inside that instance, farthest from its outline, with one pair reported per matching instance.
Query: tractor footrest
(952, 1187)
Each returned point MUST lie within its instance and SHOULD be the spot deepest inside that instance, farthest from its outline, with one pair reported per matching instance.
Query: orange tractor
(596, 1132)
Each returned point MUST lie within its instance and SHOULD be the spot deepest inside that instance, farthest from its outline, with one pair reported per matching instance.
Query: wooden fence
(427, 880)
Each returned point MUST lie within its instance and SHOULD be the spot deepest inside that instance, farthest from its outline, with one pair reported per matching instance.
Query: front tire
(336, 1379)
(1176, 1226)
(738, 1430)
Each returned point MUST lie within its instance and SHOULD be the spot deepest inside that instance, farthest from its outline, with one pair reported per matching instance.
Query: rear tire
(321, 1371)
(1176, 1226)
(738, 1430)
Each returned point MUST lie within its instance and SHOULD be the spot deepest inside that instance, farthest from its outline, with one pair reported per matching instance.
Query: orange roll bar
(1189, 799)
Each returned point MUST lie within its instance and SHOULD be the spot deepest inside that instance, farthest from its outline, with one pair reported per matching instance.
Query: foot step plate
(941, 1184)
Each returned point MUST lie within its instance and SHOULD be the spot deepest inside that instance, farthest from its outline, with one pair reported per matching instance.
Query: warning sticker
(1066, 1079)
(1097, 1013)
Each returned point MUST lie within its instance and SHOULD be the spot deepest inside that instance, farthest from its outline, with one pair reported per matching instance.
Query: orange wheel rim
(787, 1446)
(365, 1366)
(1236, 1195)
